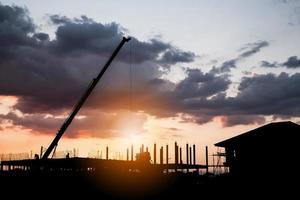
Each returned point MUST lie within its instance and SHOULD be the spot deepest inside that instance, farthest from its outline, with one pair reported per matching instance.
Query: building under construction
(141, 161)
(137, 175)
(258, 155)
(270, 150)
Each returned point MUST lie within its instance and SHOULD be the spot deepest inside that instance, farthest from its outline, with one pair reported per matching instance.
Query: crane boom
(81, 101)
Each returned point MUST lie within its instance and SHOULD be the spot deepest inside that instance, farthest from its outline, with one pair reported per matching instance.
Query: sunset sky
(195, 71)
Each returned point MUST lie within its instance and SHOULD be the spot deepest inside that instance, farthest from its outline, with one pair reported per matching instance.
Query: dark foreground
(136, 185)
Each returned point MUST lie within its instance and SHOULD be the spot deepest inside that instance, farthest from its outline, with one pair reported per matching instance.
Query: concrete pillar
(190, 155)
(194, 154)
(127, 154)
(154, 153)
(176, 153)
(131, 152)
(161, 155)
(187, 156)
(167, 154)
(180, 157)
(206, 158)
(106, 152)
(41, 152)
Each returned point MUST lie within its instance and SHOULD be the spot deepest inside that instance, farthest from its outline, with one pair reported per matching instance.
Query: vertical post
(167, 157)
(142, 151)
(167, 154)
(106, 152)
(147, 149)
(127, 154)
(161, 155)
(154, 152)
(131, 152)
(194, 154)
(41, 153)
(190, 155)
(206, 158)
(180, 153)
(187, 156)
(176, 153)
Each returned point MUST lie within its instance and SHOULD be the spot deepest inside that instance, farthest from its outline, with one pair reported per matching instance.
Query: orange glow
(128, 128)
(6, 103)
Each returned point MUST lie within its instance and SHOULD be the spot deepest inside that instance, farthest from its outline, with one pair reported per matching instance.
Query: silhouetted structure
(265, 152)
(81, 101)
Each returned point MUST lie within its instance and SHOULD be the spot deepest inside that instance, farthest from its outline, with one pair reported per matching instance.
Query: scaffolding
(218, 162)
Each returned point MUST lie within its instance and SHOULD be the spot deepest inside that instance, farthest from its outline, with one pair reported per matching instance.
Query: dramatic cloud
(258, 96)
(83, 35)
(268, 95)
(198, 84)
(95, 124)
(15, 25)
(48, 76)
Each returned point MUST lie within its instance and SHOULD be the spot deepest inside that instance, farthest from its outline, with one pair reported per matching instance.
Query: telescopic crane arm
(81, 101)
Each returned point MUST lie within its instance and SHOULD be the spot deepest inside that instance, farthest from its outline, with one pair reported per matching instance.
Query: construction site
(145, 174)
(139, 175)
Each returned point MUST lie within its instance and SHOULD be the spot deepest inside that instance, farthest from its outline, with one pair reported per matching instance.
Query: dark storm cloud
(48, 76)
(84, 35)
(15, 25)
(268, 95)
(199, 84)
(41, 36)
(258, 96)
(14, 17)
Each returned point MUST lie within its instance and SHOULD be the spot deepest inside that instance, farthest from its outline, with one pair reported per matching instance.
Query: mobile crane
(81, 101)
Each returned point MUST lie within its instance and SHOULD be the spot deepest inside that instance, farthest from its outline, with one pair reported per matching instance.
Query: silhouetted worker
(36, 156)
(68, 155)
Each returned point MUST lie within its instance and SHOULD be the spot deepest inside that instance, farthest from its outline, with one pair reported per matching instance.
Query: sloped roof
(264, 133)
